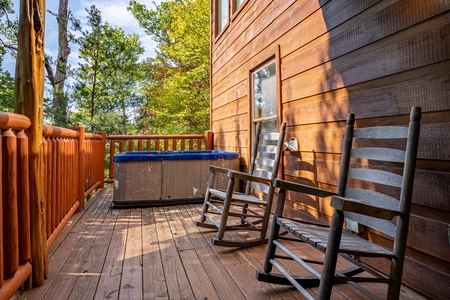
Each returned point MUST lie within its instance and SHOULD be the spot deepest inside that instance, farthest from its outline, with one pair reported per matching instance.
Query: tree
(58, 76)
(56, 112)
(108, 76)
(177, 96)
(29, 94)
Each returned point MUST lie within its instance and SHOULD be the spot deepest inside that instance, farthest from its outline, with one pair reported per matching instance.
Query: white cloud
(116, 14)
(113, 11)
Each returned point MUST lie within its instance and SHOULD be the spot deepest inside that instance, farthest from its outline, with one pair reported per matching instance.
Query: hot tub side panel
(145, 183)
(188, 178)
(136, 181)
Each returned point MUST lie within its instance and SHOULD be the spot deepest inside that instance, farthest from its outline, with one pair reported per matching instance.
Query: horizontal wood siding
(374, 58)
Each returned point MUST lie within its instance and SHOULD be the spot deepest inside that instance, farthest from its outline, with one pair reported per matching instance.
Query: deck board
(153, 272)
(109, 283)
(159, 253)
(219, 276)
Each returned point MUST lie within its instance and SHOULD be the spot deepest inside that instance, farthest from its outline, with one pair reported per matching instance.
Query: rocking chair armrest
(302, 188)
(218, 169)
(246, 176)
(364, 208)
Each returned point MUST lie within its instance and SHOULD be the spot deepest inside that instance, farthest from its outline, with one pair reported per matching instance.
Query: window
(237, 3)
(225, 12)
(264, 97)
(222, 14)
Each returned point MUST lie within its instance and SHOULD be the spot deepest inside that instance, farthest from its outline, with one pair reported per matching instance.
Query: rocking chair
(245, 211)
(379, 163)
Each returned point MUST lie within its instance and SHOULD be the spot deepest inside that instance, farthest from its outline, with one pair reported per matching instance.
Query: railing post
(112, 146)
(209, 137)
(1, 222)
(102, 160)
(81, 166)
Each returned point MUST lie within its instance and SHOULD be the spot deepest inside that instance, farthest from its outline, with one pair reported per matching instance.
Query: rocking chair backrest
(379, 169)
(266, 154)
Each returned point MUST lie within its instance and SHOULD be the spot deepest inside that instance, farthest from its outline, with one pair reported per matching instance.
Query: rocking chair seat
(238, 197)
(317, 236)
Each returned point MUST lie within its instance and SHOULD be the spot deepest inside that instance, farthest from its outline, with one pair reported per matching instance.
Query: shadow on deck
(158, 253)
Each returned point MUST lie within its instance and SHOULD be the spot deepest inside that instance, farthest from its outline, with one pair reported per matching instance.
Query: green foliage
(177, 94)
(110, 122)
(8, 29)
(108, 76)
(8, 45)
(6, 91)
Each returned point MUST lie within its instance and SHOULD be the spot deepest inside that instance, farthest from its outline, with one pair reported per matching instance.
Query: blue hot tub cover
(175, 155)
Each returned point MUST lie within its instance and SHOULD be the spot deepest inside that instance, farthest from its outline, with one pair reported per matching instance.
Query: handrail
(55, 131)
(156, 142)
(13, 121)
(154, 137)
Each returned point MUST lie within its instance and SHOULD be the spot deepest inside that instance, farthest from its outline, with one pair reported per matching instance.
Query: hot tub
(155, 178)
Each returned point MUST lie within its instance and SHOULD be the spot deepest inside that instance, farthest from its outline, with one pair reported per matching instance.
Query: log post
(1, 221)
(209, 145)
(112, 146)
(102, 160)
(81, 167)
(29, 95)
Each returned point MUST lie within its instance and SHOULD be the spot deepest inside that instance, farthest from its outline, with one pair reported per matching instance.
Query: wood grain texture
(29, 96)
(375, 59)
(207, 271)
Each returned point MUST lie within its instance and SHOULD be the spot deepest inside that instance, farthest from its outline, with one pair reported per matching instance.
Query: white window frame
(219, 25)
(274, 116)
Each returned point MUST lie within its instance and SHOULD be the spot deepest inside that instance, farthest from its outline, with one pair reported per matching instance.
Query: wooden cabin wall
(372, 58)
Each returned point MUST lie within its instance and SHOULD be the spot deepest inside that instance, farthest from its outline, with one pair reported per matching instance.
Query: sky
(113, 11)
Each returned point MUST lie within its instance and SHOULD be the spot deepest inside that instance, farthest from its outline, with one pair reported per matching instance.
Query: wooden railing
(155, 142)
(15, 240)
(73, 168)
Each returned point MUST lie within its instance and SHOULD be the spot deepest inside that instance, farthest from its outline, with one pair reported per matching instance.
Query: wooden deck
(158, 253)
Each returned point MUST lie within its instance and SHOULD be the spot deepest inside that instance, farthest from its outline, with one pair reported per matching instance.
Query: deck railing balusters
(15, 241)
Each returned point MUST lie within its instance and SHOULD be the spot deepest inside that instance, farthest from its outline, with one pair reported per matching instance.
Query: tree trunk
(58, 78)
(29, 95)
(59, 97)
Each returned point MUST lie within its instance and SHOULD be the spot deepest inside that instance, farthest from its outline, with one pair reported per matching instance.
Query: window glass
(237, 3)
(264, 94)
(222, 14)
